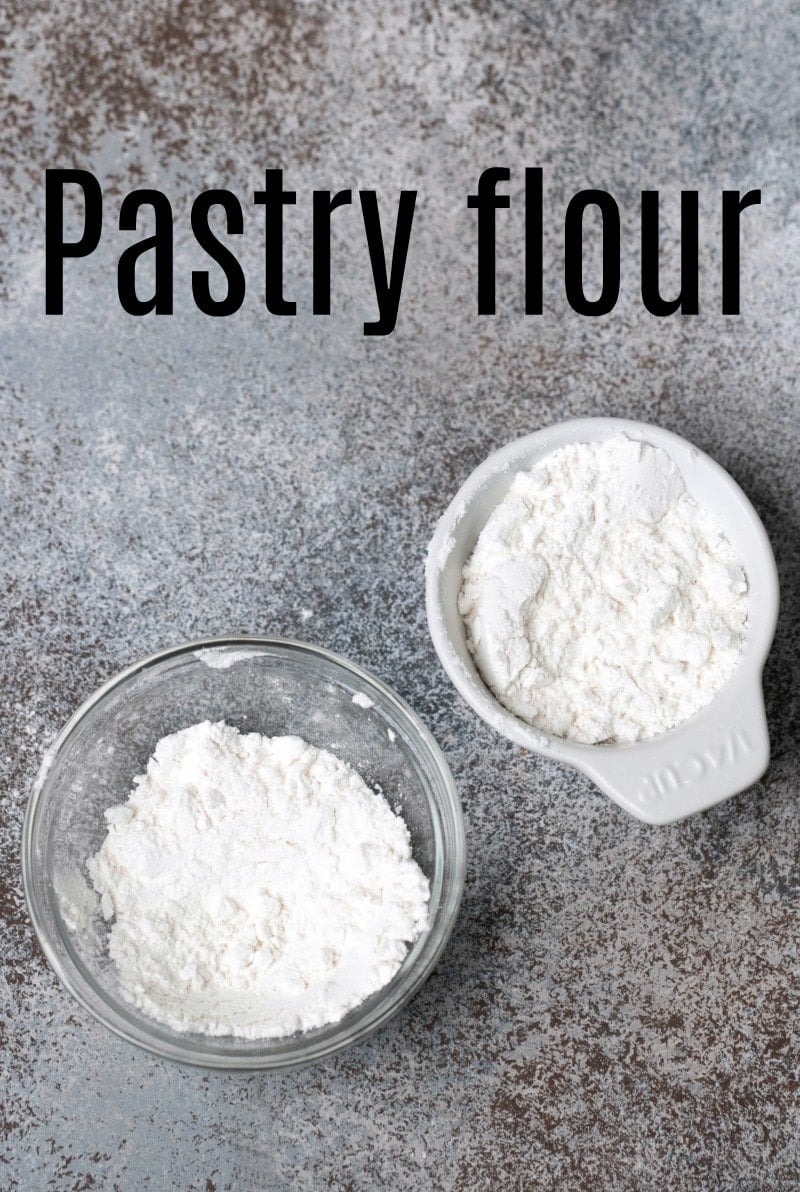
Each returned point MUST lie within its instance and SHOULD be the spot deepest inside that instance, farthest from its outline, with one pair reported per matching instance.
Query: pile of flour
(601, 602)
(257, 885)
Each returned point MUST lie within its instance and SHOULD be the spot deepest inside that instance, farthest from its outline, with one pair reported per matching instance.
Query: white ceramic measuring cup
(720, 750)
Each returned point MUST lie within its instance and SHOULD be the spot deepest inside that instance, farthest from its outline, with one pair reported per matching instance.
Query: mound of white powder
(601, 602)
(257, 885)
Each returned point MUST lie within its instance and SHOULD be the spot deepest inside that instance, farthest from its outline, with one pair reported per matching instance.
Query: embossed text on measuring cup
(694, 767)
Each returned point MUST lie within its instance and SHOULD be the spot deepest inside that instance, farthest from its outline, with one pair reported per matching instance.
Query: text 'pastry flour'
(258, 885)
(601, 602)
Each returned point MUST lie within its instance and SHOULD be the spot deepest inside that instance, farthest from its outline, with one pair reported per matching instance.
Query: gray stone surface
(618, 1006)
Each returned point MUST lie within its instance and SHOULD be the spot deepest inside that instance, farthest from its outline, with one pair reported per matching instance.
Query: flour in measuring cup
(601, 602)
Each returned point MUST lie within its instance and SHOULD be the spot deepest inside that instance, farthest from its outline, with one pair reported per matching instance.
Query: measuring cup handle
(718, 753)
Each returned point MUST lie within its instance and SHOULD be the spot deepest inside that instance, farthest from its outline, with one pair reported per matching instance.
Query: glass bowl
(264, 685)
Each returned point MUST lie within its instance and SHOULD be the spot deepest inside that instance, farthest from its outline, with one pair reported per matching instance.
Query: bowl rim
(606, 764)
(434, 940)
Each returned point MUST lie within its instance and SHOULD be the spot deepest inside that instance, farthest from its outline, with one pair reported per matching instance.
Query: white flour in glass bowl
(257, 885)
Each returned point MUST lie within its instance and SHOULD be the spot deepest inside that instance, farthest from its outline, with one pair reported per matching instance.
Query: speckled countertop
(618, 1006)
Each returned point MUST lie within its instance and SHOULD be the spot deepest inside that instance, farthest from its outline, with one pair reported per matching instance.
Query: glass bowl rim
(299, 1055)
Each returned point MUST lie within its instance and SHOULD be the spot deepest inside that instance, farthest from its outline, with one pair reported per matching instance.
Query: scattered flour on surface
(363, 700)
(601, 602)
(257, 885)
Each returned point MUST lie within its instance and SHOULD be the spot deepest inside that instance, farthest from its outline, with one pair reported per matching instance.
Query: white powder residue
(601, 602)
(259, 887)
(363, 700)
(77, 902)
(223, 659)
